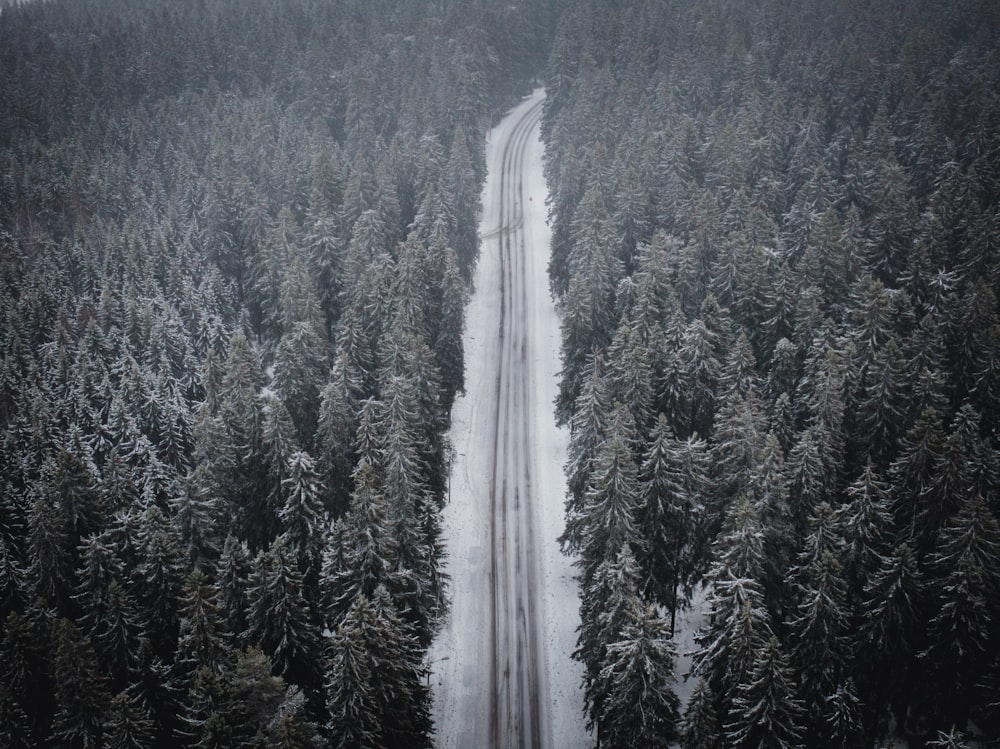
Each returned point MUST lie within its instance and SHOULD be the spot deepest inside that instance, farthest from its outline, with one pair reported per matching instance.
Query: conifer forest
(237, 241)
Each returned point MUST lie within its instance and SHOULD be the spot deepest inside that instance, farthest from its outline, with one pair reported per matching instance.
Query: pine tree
(15, 725)
(300, 369)
(197, 516)
(822, 642)
(302, 514)
(127, 725)
(353, 721)
(700, 729)
(867, 523)
(404, 699)
(247, 705)
(640, 707)
(366, 554)
(375, 694)
(157, 579)
(629, 374)
(335, 443)
(25, 661)
(605, 608)
(892, 629)
(611, 502)
(202, 638)
(962, 630)
(279, 620)
(291, 726)
(780, 527)
(279, 442)
(765, 711)
(232, 578)
(71, 489)
(701, 369)
(50, 566)
(673, 481)
(449, 352)
(586, 435)
(80, 690)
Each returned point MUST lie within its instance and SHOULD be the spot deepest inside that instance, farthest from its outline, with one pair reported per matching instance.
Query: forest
(236, 242)
(776, 244)
(235, 245)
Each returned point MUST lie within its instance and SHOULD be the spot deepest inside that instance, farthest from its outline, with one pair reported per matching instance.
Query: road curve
(516, 716)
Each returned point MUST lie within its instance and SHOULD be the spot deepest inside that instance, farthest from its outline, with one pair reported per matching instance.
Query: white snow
(459, 658)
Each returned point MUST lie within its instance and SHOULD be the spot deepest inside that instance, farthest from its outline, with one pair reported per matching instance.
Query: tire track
(516, 714)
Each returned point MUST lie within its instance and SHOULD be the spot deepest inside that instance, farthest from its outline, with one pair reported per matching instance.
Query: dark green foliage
(244, 704)
(797, 232)
(228, 231)
(80, 694)
(279, 620)
(375, 695)
(700, 729)
(765, 711)
(639, 707)
(127, 725)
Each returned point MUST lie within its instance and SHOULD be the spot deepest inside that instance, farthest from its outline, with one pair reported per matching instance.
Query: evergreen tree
(586, 435)
(232, 578)
(962, 630)
(375, 694)
(701, 369)
(158, 578)
(630, 376)
(700, 729)
(127, 725)
(279, 620)
(335, 443)
(892, 629)
(673, 480)
(739, 627)
(867, 522)
(765, 710)
(639, 707)
(366, 554)
(302, 514)
(353, 722)
(611, 502)
(197, 516)
(605, 608)
(50, 567)
(300, 369)
(26, 662)
(822, 643)
(202, 638)
(15, 725)
(80, 690)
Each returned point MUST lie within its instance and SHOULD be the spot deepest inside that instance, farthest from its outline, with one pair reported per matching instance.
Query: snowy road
(501, 671)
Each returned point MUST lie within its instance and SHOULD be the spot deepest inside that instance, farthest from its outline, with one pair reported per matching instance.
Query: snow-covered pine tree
(639, 706)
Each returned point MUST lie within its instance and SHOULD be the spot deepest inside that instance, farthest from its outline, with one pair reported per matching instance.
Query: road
(516, 716)
(501, 670)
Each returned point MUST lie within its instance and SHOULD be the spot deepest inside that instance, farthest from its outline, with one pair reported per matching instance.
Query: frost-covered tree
(610, 513)
(700, 728)
(673, 482)
(279, 619)
(302, 514)
(639, 707)
(765, 711)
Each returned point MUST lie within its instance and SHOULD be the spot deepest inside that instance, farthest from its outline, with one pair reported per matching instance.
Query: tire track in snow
(516, 715)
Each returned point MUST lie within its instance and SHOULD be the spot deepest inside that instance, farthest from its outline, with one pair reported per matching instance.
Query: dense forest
(236, 239)
(776, 245)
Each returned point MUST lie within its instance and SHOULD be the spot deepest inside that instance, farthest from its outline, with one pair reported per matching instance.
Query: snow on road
(501, 671)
